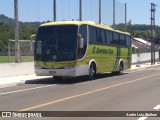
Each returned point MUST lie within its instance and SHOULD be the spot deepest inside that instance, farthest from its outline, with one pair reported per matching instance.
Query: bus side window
(92, 34)
(103, 36)
(115, 40)
(122, 39)
(108, 37)
(128, 41)
(83, 32)
(99, 39)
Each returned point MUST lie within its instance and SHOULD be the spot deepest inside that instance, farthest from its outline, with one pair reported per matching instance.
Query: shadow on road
(68, 81)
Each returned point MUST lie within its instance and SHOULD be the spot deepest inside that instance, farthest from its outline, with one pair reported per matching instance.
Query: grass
(11, 59)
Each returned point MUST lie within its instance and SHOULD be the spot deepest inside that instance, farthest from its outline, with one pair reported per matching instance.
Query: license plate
(52, 72)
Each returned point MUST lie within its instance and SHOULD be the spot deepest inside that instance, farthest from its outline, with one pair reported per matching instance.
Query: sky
(138, 11)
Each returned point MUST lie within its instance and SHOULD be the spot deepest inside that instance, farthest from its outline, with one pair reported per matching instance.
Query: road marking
(86, 93)
(26, 89)
(157, 107)
(142, 118)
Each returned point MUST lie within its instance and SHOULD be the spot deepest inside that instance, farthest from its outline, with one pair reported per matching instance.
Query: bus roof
(83, 22)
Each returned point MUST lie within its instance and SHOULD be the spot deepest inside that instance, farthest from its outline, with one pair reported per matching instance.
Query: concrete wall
(142, 57)
(20, 69)
(16, 69)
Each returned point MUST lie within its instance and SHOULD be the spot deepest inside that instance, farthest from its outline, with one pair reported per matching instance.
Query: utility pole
(159, 51)
(129, 25)
(125, 17)
(99, 11)
(152, 33)
(80, 10)
(114, 13)
(54, 10)
(16, 26)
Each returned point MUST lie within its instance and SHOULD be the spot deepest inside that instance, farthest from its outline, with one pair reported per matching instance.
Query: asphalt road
(137, 90)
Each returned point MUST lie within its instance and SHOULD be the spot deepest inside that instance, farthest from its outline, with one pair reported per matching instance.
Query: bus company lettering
(97, 50)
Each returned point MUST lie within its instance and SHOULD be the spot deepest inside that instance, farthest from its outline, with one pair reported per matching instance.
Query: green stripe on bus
(117, 59)
(129, 58)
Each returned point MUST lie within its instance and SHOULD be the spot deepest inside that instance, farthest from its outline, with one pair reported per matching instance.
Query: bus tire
(120, 71)
(92, 71)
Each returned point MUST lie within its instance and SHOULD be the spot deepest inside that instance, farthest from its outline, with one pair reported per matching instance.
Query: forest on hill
(26, 29)
(139, 30)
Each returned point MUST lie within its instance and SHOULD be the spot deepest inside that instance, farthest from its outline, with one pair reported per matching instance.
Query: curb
(13, 81)
(19, 80)
(10, 84)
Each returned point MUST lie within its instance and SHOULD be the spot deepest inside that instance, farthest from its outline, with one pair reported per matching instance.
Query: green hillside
(29, 28)
(7, 30)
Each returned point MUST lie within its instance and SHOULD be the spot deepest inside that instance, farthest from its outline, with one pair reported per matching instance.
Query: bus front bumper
(69, 72)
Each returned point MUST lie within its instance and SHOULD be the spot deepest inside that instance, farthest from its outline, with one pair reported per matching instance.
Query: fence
(26, 51)
(146, 49)
(15, 69)
(143, 57)
(33, 11)
(69, 10)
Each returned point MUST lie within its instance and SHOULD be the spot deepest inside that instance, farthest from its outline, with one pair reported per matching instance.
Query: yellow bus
(80, 48)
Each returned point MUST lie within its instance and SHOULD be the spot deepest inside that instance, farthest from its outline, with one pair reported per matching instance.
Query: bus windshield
(56, 43)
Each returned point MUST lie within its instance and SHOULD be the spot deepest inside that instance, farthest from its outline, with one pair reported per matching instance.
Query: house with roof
(140, 45)
(141, 50)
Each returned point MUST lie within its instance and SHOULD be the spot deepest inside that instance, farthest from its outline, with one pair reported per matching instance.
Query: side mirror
(81, 41)
(33, 37)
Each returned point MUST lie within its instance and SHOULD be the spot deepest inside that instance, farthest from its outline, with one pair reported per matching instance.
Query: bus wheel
(120, 71)
(121, 68)
(92, 72)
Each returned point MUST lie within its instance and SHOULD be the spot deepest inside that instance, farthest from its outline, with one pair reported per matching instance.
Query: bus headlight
(38, 67)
